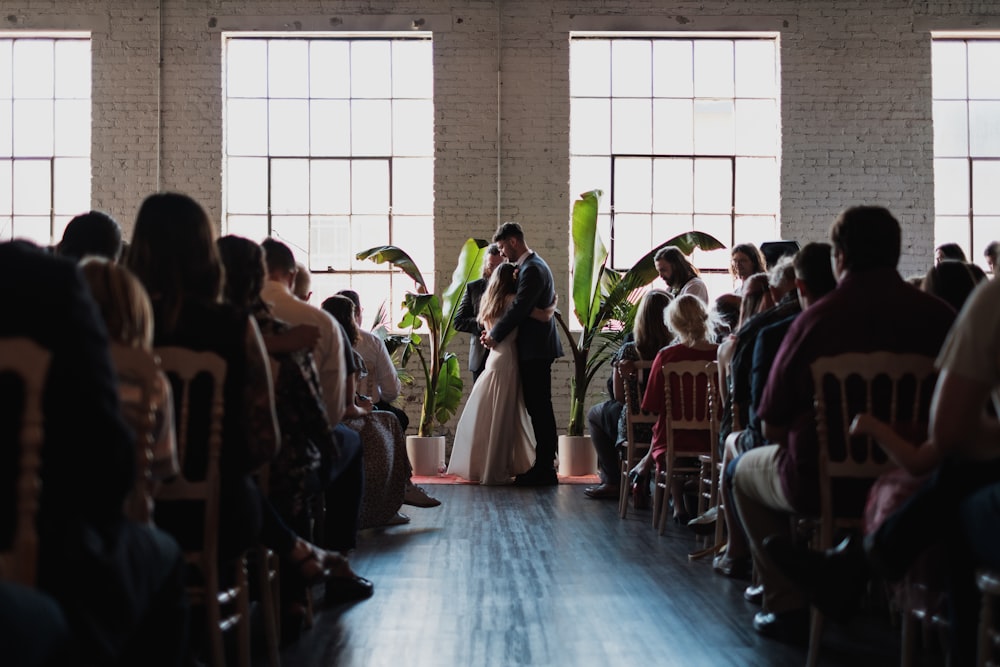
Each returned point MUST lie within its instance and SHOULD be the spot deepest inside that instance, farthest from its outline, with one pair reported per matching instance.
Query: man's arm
(332, 375)
(530, 287)
(959, 423)
(465, 315)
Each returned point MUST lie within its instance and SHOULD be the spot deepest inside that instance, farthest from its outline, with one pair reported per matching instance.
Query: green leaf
(589, 256)
(449, 389)
(398, 258)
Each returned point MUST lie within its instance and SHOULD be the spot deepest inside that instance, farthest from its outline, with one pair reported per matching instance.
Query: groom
(538, 346)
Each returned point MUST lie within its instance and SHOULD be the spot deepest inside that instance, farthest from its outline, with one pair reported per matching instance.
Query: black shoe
(790, 626)
(602, 491)
(348, 589)
(754, 594)
(537, 477)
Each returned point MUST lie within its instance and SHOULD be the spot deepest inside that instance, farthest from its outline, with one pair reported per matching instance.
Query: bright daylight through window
(680, 134)
(329, 148)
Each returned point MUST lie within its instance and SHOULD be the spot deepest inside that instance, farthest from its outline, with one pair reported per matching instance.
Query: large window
(966, 84)
(44, 135)
(680, 134)
(329, 148)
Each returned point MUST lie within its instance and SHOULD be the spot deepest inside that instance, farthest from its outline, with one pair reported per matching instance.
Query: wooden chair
(634, 450)
(895, 388)
(185, 368)
(988, 583)
(698, 412)
(27, 364)
(138, 371)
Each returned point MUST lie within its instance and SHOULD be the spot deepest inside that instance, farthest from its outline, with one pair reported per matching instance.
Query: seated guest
(755, 299)
(952, 281)
(949, 251)
(118, 584)
(95, 233)
(693, 329)
(991, 253)
(680, 275)
(774, 481)
(302, 288)
(746, 260)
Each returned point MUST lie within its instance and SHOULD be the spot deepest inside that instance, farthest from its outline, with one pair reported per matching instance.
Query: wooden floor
(506, 576)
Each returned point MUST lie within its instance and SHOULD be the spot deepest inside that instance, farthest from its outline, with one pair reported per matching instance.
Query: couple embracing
(508, 421)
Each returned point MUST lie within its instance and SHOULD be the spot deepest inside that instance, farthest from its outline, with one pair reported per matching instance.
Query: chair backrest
(691, 403)
(137, 371)
(24, 366)
(633, 414)
(198, 380)
(893, 387)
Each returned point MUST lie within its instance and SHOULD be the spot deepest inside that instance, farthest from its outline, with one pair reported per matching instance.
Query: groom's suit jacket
(465, 320)
(535, 289)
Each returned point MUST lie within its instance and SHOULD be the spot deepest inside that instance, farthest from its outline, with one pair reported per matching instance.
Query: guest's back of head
(690, 321)
(243, 261)
(302, 285)
(949, 251)
(91, 234)
(342, 310)
(866, 237)
(813, 269)
(650, 328)
(122, 301)
(953, 281)
(756, 297)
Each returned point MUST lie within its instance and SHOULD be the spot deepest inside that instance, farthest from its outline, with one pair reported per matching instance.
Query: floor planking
(499, 576)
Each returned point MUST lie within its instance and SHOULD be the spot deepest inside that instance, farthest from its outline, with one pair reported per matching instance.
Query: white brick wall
(856, 108)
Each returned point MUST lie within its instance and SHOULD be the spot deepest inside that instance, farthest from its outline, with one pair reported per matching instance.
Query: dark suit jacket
(465, 320)
(535, 289)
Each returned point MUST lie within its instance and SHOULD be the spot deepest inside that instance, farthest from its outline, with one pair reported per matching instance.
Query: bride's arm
(545, 314)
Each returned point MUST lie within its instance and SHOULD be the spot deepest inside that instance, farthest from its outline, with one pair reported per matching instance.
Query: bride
(494, 440)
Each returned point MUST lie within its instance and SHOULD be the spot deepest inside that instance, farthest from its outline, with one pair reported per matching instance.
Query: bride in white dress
(494, 440)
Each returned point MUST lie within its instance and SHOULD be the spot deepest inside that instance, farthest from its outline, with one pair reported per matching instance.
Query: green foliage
(441, 370)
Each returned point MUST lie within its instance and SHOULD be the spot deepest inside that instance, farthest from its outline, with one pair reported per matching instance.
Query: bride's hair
(499, 292)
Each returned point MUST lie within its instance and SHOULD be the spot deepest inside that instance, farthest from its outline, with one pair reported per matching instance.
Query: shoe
(312, 567)
(790, 626)
(416, 496)
(602, 491)
(348, 589)
(734, 568)
(706, 519)
(397, 520)
(639, 485)
(754, 594)
(537, 477)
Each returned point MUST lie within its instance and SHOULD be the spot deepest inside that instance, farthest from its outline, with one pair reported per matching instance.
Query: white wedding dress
(494, 440)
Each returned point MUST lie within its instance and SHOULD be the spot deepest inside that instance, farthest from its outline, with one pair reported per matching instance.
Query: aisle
(505, 576)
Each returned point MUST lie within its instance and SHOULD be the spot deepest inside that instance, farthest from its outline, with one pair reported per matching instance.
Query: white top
(696, 286)
(381, 383)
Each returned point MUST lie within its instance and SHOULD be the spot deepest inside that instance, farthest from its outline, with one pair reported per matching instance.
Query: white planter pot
(576, 456)
(426, 454)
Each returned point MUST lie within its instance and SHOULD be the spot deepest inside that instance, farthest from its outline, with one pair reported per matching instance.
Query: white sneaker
(416, 496)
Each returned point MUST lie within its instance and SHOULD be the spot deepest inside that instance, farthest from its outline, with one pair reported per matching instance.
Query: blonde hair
(122, 300)
(499, 292)
(690, 321)
(650, 328)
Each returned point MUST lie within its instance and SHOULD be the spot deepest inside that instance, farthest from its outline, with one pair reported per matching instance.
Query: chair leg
(658, 499)
(243, 606)
(267, 576)
(815, 637)
(623, 490)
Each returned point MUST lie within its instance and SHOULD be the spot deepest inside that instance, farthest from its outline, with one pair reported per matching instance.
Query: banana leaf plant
(441, 371)
(604, 299)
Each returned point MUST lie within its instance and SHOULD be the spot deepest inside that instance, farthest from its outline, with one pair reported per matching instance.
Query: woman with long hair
(746, 260)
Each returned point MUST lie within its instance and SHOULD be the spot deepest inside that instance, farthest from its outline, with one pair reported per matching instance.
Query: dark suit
(465, 320)
(538, 345)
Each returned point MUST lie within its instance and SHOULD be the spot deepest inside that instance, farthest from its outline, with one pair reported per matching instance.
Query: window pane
(713, 186)
(721, 227)
(6, 128)
(412, 69)
(330, 127)
(293, 231)
(246, 127)
(33, 228)
(71, 194)
(666, 227)
(950, 229)
(713, 68)
(246, 62)
(246, 187)
(714, 128)
(632, 238)
(6, 70)
(951, 129)
(631, 130)
(288, 127)
(253, 227)
(673, 186)
(371, 127)
(984, 128)
(33, 68)
(984, 75)
(370, 69)
(588, 174)
(756, 70)
(413, 186)
(288, 68)
(984, 230)
(370, 187)
(289, 186)
(757, 185)
(72, 71)
(32, 187)
(59, 224)
(756, 127)
(589, 68)
(6, 228)
(367, 231)
(412, 127)
(329, 69)
(33, 123)
(631, 68)
(6, 185)
(330, 186)
(331, 244)
(756, 229)
(72, 127)
(590, 126)
(673, 127)
(951, 187)
(673, 68)
(948, 70)
(633, 184)
(985, 193)
(415, 235)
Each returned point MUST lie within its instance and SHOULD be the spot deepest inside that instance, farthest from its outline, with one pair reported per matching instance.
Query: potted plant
(441, 371)
(604, 302)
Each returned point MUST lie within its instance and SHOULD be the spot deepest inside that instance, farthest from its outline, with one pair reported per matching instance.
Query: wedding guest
(467, 315)
(991, 253)
(302, 287)
(949, 251)
(746, 260)
(680, 275)
(94, 233)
